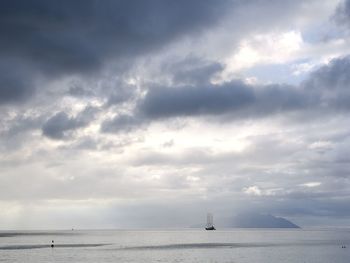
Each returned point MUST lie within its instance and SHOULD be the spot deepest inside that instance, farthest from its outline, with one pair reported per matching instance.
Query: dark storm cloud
(121, 123)
(234, 97)
(16, 82)
(325, 91)
(186, 101)
(79, 92)
(57, 125)
(198, 75)
(332, 83)
(120, 94)
(68, 37)
(111, 89)
(334, 77)
(76, 36)
(342, 14)
(192, 94)
(192, 70)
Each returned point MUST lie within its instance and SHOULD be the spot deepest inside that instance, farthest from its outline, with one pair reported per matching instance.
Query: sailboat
(210, 222)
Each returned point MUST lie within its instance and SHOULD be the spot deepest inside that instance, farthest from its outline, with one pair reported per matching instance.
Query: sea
(177, 245)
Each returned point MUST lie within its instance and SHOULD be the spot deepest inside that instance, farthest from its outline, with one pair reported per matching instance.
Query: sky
(131, 114)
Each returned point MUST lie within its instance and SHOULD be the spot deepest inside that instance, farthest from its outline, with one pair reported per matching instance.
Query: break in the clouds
(151, 113)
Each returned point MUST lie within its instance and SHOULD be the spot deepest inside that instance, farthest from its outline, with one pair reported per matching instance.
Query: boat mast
(210, 221)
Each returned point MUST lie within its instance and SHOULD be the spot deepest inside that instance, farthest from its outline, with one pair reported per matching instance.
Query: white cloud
(270, 48)
(266, 192)
(302, 68)
(252, 190)
(321, 145)
(311, 184)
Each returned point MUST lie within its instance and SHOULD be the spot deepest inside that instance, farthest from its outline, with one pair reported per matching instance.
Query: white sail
(210, 220)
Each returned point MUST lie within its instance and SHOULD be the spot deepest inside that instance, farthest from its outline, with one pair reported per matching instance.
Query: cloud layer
(169, 109)
(55, 39)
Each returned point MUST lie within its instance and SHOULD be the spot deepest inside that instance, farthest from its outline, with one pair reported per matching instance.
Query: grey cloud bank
(61, 37)
(56, 126)
(324, 91)
(326, 87)
(231, 97)
(342, 14)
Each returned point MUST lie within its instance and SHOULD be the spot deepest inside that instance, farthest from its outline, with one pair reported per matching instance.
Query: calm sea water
(229, 245)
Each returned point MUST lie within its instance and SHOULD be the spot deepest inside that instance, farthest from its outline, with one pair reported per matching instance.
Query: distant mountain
(255, 220)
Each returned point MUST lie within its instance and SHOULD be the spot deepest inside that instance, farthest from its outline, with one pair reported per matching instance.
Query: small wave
(198, 246)
(230, 245)
(58, 233)
(20, 247)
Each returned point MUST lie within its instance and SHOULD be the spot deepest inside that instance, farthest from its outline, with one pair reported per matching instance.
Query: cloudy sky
(117, 114)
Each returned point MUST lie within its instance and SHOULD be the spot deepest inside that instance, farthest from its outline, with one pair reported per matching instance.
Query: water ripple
(20, 247)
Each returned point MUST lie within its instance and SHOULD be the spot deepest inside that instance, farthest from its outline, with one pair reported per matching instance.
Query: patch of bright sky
(198, 134)
(288, 56)
(282, 57)
(311, 184)
(274, 73)
(266, 57)
(264, 49)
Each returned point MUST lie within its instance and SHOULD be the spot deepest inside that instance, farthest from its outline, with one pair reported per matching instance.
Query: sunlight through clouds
(112, 109)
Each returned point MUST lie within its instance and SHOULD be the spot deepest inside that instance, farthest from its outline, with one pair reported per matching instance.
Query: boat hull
(210, 228)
